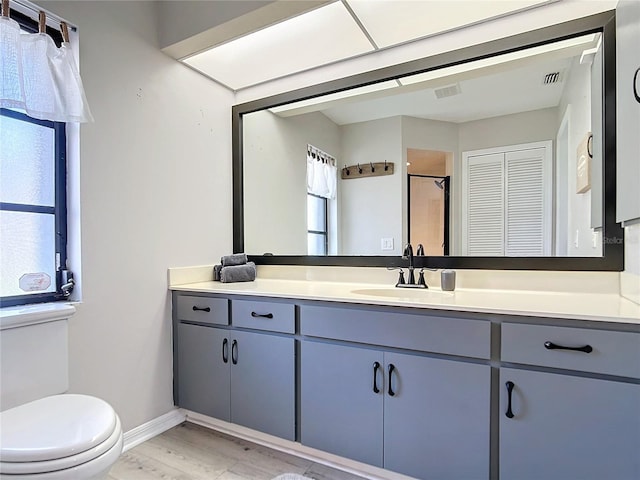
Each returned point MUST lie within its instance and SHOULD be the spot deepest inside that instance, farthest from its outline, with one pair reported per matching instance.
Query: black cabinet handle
(553, 346)
(234, 352)
(636, 93)
(376, 366)
(201, 309)
(510, 386)
(261, 315)
(225, 350)
(391, 369)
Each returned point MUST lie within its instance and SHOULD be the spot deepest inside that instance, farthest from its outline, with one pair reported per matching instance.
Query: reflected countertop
(601, 307)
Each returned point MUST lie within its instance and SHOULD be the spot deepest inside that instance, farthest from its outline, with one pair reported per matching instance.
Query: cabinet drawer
(614, 353)
(272, 316)
(203, 309)
(419, 331)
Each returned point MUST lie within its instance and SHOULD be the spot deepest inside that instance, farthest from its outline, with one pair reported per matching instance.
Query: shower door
(428, 211)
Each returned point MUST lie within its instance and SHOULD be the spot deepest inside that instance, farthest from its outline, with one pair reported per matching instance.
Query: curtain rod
(32, 10)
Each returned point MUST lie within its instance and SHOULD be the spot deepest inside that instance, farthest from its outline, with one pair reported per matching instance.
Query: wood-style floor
(191, 452)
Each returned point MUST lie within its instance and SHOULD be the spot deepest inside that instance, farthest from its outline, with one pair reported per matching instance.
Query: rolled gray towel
(216, 272)
(235, 259)
(238, 273)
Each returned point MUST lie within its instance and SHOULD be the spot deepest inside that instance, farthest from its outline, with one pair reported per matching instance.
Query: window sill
(22, 315)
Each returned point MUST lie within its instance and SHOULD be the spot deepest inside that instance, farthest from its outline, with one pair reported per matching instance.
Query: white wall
(577, 96)
(155, 192)
(275, 155)
(370, 207)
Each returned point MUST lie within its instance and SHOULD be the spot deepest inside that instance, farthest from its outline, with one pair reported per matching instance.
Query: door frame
(447, 209)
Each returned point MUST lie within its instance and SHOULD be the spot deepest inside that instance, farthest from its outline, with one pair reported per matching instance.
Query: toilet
(46, 434)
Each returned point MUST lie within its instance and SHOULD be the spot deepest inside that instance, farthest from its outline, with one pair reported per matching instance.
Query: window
(33, 202)
(33, 230)
(317, 237)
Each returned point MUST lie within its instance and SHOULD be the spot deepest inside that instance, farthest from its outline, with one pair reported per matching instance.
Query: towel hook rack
(370, 169)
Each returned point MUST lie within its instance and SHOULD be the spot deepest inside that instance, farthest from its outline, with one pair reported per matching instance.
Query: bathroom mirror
(503, 158)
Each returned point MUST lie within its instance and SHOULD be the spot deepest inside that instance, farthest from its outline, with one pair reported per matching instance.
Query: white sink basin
(412, 293)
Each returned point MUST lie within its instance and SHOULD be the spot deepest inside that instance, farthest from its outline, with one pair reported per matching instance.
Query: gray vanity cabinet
(235, 375)
(340, 411)
(242, 377)
(568, 428)
(420, 416)
(263, 383)
(580, 417)
(436, 423)
(203, 376)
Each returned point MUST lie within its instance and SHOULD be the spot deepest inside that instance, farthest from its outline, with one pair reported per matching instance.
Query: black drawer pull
(261, 315)
(509, 412)
(234, 352)
(376, 366)
(636, 92)
(201, 309)
(225, 350)
(391, 369)
(553, 346)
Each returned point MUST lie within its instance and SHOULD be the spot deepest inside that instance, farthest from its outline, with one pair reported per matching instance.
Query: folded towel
(238, 273)
(216, 272)
(235, 259)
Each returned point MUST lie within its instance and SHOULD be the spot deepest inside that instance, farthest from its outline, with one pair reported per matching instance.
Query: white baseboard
(154, 427)
(294, 448)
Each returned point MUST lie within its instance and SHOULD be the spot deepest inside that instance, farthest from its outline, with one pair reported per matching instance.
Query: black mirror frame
(613, 233)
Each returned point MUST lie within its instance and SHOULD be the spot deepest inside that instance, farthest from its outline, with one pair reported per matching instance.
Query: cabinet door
(628, 109)
(436, 423)
(568, 428)
(263, 383)
(340, 411)
(203, 374)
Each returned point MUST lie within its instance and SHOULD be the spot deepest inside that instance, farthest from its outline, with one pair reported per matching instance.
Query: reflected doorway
(428, 201)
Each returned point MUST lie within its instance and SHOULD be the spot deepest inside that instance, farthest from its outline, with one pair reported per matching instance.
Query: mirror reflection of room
(528, 123)
(428, 200)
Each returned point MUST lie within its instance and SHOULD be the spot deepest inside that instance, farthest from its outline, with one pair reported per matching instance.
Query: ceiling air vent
(448, 91)
(550, 78)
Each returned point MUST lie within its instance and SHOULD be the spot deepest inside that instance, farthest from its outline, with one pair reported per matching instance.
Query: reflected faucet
(420, 251)
(408, 254)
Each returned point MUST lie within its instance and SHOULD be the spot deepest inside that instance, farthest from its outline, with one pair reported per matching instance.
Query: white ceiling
(338, 31)
(500, 85)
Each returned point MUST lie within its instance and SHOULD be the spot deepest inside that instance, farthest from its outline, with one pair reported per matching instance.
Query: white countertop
(604, 307)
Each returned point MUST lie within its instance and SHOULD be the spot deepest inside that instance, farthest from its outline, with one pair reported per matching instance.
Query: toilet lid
(54, 427)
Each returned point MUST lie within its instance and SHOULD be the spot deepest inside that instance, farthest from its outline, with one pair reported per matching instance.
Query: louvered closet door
(483, 206)
(527, 215)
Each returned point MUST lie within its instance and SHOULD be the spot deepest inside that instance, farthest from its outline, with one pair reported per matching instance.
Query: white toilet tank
(33, 353)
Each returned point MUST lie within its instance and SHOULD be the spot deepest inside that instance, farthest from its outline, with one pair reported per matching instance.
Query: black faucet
(408, 254)
(420, 251)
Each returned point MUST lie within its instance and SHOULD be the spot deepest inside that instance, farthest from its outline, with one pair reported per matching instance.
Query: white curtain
(38, 77)
(321, 173)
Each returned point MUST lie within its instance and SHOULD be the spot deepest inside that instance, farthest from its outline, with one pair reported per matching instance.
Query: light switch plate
(386, 244)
